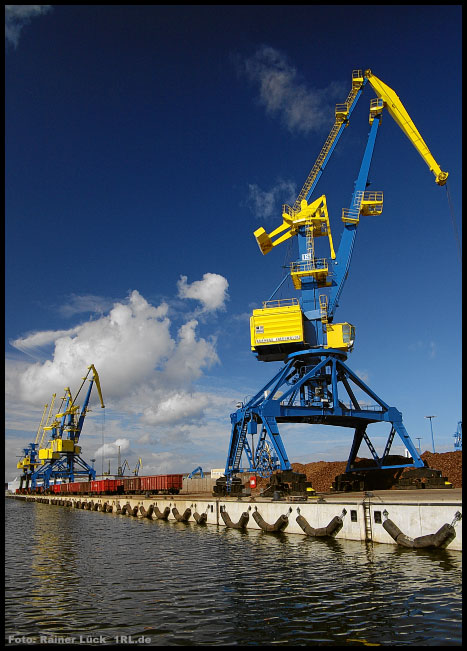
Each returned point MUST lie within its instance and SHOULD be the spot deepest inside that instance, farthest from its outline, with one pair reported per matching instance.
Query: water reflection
(84, 572)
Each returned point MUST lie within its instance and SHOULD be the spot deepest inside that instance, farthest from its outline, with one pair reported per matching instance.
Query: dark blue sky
(140, 149)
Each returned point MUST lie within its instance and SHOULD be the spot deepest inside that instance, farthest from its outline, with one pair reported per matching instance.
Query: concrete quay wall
(362, 514)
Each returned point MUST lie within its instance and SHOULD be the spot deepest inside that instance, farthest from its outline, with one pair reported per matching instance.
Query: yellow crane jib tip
(442, 178)
(263, 240)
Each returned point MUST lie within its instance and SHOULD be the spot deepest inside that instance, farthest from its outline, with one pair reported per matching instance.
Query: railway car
(96, 486)
(131, 485)
(153, 484)
(107, 486)
(164, 484)
(84, 487)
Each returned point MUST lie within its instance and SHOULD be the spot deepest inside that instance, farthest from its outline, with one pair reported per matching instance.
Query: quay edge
(416, 513)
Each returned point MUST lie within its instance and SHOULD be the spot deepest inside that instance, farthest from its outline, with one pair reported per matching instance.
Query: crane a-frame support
(316, 388)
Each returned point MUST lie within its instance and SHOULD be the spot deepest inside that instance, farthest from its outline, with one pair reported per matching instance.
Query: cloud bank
(17, 16)
(143, 365)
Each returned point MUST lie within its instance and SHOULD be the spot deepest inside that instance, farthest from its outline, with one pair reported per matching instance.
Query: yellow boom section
(397, 111)
(98, 384)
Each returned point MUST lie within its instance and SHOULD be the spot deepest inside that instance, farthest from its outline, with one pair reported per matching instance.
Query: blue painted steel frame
(306, 390)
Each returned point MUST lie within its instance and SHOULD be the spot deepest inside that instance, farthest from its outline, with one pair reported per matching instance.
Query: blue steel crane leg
(389, 414)
(400, 429)
(238, 445)
(233, 444)
(270, 425)
(357, 440)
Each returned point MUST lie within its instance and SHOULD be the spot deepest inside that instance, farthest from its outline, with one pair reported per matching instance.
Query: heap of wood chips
(322, 473)
(450, 464)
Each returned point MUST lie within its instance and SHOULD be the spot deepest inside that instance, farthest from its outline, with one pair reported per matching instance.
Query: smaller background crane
(195, 472)
(458, 437)
(126, 466)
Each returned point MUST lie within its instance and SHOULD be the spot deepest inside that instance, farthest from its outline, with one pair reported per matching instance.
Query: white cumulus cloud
(110, 450)
(148, 372)
(211, 291)
(132, 349)
(177, 407)
(125, 346)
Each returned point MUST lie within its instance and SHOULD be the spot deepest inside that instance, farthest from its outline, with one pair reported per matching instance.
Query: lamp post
(419, 438)
(431, 427)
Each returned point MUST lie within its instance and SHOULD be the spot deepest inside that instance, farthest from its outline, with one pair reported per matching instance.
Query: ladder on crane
(341, 117)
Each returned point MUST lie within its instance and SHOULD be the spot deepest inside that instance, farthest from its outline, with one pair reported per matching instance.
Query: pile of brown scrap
(450, 464)
(322, 473)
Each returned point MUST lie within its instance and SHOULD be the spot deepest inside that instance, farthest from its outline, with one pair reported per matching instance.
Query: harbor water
(85, 577)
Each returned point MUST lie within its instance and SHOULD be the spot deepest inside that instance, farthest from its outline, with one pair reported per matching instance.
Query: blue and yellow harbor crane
(60, 459)
(28, 462)
(315, 385)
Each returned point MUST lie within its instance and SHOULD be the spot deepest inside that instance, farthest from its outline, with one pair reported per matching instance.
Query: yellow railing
(376, 104)
(317, 264)
(357, 78)
(373, 197)
(350, 216)
(281, 302)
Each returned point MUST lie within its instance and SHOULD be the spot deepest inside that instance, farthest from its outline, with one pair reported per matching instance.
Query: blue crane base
(314, 387)
(67, 468)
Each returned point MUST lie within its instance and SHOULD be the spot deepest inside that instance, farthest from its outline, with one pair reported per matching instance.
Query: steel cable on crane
(454, 225)
(82, 384)
(103, 428)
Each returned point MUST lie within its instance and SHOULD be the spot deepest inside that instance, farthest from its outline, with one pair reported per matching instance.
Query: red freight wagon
(56, 488)
(107, 486)
(97, 486)
(164, 484)
(73, 487)
(132, 485)
(84, 487)
(113, 485)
